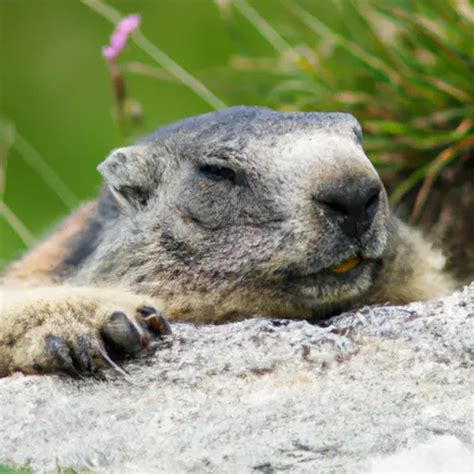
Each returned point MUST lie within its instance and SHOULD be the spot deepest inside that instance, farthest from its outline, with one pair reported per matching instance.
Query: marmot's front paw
(77, 331)
(84, 352)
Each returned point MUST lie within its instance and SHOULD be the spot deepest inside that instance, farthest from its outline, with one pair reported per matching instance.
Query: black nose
(353, 206)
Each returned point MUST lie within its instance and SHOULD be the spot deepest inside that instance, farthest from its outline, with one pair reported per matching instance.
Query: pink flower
(119, 38)
(129, 23)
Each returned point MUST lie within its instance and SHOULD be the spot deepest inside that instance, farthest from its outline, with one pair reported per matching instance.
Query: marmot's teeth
(347, 265)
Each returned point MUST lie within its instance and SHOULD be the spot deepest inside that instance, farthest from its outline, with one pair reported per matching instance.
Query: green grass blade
(159, 56)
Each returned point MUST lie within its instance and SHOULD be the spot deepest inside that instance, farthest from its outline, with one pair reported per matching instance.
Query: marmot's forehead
(250, 123)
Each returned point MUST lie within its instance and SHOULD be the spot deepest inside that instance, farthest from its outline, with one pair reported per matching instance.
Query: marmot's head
(247, 210)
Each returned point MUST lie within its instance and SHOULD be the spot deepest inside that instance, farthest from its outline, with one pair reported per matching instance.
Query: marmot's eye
(217, 173)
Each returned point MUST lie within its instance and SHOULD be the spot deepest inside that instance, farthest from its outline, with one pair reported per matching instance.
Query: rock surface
(376, 390)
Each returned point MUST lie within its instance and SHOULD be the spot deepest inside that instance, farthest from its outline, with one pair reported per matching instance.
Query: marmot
(232, 213)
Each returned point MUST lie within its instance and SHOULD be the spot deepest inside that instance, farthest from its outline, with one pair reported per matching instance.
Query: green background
(55, 89)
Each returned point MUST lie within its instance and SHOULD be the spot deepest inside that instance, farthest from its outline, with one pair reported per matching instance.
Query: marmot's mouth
(340, 282)
(343, 272)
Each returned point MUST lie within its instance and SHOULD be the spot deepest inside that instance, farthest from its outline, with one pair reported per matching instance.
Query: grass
(158, 55)
(10, 470)
(26, 470)
(10, 139)
(404, 69)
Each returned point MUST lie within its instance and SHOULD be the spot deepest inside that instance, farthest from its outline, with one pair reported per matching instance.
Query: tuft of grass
(404, 69)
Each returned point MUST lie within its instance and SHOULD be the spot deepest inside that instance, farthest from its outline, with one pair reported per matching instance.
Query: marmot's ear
(131, 175)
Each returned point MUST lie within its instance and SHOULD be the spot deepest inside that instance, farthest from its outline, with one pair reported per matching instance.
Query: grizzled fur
(226, 215)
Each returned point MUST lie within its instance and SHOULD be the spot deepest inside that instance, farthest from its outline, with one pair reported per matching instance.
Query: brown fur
(38, 266)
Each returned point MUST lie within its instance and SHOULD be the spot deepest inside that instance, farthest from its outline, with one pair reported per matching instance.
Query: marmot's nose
(352, 205)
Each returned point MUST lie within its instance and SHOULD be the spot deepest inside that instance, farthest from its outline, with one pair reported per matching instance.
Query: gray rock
(376, 390)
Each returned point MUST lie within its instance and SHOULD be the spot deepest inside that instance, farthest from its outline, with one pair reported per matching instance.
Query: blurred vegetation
(11, 470)
(403, 68)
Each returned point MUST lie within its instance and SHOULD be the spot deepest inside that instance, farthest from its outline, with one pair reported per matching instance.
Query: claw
(156, 320)
(92, 355)
(62, 353)
(147, 311)
(124, 334)
(115, 367)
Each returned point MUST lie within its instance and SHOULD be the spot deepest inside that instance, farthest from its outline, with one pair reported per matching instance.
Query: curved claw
(155, 320)
(115, 367)
(124, 334)
(89, 353)
(92, 355)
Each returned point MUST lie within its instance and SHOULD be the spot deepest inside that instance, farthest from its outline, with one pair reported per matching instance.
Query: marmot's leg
(73, 329)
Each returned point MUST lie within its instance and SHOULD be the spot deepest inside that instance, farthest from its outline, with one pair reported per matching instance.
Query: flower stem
(159, 56)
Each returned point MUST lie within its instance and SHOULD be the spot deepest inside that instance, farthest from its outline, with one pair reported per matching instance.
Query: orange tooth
(347, 265)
